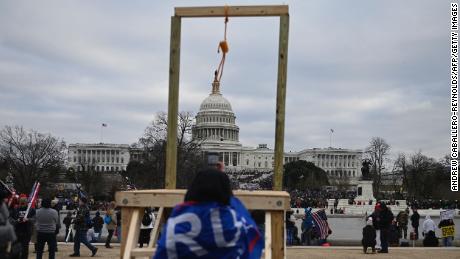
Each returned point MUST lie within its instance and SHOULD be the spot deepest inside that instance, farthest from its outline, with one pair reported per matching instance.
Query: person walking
(23, 225)
(67, 223)
(110, 221)
(46, 220)
(98, 223)
(386, 217)
(414, 220)
(82, 224)
(403, 220)
(146, 227)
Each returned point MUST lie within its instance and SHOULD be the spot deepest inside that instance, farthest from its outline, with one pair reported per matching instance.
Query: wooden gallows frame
(274, 203)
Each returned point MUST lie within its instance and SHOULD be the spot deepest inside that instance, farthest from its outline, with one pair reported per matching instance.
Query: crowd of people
(318, 198)
(21, 224)
(210, 190)
(393, 230)
(434, 204)
(252, 180)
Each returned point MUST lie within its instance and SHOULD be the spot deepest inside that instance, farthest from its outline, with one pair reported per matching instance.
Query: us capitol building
(216, 131)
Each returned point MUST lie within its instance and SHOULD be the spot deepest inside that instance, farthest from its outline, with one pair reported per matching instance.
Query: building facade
(216, 130)
(98, 157)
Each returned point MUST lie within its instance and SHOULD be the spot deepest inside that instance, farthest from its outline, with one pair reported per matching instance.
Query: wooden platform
(133, 203)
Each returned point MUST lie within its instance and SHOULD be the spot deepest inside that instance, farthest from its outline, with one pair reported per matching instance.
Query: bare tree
(377, 151)
(157, 131)
(154, 144)
(420, 165)
(30, 155)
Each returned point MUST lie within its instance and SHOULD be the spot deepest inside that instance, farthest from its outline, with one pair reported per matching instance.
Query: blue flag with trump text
(210, 230)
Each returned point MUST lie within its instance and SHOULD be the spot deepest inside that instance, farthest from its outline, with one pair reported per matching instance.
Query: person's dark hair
(83, 199)
(46, 203)
(210, 185)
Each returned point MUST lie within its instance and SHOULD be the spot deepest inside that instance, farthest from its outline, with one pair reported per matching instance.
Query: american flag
(320, 220)
(32, 198)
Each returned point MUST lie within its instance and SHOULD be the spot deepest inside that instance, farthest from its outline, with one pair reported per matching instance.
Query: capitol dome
(215, 122)
(215, 101)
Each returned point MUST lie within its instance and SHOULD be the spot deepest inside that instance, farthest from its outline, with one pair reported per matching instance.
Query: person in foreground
(47, 220)
(210, 223)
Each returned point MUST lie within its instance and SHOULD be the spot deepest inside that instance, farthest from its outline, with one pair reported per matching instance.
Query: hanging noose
(223, 46)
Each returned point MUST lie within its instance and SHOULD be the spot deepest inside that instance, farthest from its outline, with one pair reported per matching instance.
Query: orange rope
(223, 46)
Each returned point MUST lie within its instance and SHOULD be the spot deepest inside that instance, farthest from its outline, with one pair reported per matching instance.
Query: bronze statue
(365, 172)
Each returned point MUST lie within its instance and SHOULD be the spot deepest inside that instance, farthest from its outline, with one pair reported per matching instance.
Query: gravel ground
(294, 252)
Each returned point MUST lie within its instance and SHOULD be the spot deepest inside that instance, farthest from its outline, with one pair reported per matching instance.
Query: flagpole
(34, 198)
(101, 134)
(330, 137)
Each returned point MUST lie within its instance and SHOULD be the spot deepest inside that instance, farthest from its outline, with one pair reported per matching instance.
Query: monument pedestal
(365, 192)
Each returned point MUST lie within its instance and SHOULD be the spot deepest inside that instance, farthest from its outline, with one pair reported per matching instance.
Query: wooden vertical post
(278, 240)
(131, 234)
(277, 222)
(173, 103)
(268, 235)
(281, 102)
(126, 213)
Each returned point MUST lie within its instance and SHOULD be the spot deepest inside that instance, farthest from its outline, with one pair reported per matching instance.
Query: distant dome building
(216, 131)
(215, 122)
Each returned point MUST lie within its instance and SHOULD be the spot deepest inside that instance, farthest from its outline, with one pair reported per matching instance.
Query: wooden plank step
(143, 252)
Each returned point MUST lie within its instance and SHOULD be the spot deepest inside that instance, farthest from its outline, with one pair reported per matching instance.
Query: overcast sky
(363, 68)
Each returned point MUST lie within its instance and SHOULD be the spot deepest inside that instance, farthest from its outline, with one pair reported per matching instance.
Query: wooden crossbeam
(253, 200)
(220, 11)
